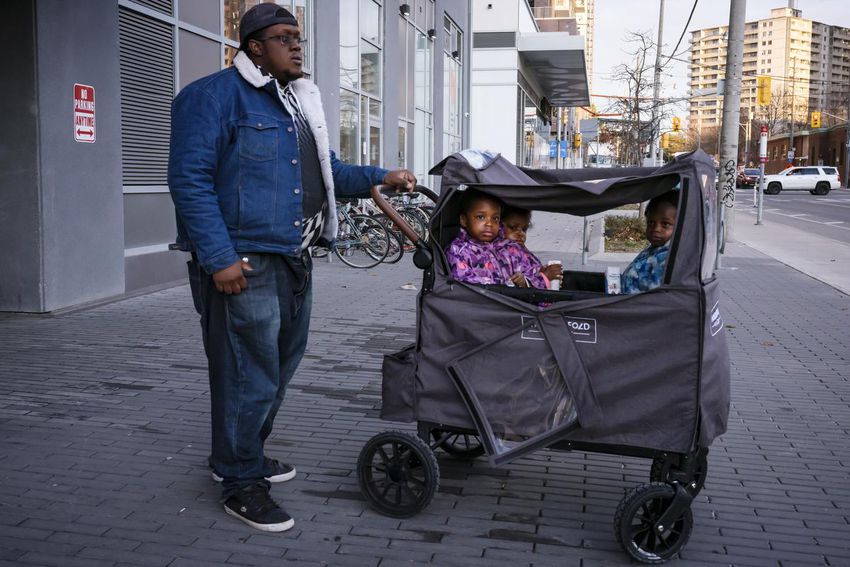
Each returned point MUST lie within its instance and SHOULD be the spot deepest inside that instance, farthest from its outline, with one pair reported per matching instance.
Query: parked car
(748, 177)
(817, 180)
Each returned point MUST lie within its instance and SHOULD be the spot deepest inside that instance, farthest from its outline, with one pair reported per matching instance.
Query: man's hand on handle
(231, 280)
(401, 179)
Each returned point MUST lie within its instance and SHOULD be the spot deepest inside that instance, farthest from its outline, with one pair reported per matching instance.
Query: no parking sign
(84, 124)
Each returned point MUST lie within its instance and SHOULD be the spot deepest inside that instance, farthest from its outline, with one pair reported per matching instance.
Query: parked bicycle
(362, 241)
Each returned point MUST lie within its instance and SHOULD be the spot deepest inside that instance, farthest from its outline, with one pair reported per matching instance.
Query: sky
(615, 18)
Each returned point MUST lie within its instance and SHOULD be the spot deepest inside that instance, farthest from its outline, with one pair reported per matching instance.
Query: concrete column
(62, 198)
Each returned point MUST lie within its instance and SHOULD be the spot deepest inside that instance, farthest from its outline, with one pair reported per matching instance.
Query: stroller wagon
(507, 370)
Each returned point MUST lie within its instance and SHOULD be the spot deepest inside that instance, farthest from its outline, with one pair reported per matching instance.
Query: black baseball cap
(262, 16)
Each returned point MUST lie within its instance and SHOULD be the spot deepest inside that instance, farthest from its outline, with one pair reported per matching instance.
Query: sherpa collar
(249, 71)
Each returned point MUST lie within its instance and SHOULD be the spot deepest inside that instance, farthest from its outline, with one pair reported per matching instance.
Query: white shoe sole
(273, 479)
(281, 527)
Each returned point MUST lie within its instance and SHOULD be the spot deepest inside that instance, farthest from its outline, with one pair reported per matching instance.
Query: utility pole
(655, 126)
(791, 151)
(729, 132)
(847, 146)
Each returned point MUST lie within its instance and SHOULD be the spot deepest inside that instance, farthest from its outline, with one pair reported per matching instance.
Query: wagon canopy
(584, 192)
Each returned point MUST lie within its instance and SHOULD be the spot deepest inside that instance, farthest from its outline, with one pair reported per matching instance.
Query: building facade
(575, 17)
(808, 62)
(519, 74)
(86, 211)
(821, 146)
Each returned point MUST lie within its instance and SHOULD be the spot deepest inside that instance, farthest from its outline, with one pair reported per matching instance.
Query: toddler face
(516, 227)
(481, 220)
(660, 222)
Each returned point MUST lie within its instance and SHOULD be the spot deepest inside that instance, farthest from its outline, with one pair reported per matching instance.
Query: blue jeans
(254, 342)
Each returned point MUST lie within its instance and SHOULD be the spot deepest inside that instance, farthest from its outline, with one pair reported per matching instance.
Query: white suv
(817, 180)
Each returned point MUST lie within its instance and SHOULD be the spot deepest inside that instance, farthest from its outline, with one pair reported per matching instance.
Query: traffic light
(677, 123)
(763, 90)
(815, 119)
(665, 140)
(577, 140)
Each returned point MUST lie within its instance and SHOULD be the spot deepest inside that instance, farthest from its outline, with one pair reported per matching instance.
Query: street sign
(763, 145)
(589, 129)
(553, 148)
(84, 123)
(763, 90)
(563, 148)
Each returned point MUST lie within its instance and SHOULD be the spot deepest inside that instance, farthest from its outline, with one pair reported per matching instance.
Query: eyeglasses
(286, 39)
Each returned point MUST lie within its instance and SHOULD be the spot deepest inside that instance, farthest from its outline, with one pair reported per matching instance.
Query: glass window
(419, 15)
(422, 79)
(370, 68)
(375, 121)
(532, 144)
(370, 21)
(364, 131)
(348, 123)
(422, 145)
(361, 70)
(402, 144)
(403, 64)
(416, 98)
(348, 44)
(452, 90)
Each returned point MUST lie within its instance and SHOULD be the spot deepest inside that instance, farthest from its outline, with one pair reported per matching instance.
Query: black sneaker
(254, 506)
(281, 472)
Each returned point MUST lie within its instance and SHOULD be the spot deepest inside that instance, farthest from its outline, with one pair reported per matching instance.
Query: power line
(684, 31)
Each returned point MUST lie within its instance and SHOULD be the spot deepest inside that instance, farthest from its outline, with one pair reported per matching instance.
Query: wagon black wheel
(398, 473)
(634, 524)
(662, 466)
(465, 446)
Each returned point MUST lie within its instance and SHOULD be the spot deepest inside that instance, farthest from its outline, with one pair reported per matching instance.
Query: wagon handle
(422, 258)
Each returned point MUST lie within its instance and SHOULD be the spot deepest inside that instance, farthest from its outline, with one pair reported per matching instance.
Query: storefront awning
(556, 61)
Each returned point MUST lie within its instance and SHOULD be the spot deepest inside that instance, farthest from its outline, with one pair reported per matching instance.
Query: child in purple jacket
(516, 222)
(481, 254)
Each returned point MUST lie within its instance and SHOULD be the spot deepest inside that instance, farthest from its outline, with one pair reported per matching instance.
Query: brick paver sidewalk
(104, 432)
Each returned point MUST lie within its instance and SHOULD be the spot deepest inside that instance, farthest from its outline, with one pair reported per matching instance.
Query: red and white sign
(763, 145)
(84, 126)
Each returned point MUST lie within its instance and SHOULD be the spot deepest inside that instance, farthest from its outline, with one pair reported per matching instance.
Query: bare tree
(777, 114)
(636, 129)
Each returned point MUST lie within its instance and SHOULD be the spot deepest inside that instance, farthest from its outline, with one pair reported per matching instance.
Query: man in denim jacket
(253, 182)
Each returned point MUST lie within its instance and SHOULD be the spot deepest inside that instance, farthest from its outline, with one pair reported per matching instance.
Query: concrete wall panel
(82, 211)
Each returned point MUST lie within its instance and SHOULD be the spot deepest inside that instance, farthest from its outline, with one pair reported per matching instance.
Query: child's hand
(519, 280)
(553, 272)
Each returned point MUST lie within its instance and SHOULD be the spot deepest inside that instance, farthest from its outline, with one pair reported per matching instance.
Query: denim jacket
(234, 172)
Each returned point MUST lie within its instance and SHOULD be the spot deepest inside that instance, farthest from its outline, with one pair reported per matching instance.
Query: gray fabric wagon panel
(453, 321)
(646, 393)
(714, 384)
(518, 395)
(642, 356)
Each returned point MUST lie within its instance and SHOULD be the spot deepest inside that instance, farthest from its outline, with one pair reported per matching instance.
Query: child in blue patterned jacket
(647, 269)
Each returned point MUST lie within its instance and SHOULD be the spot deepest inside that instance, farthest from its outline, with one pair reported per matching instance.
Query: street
(825, 216)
